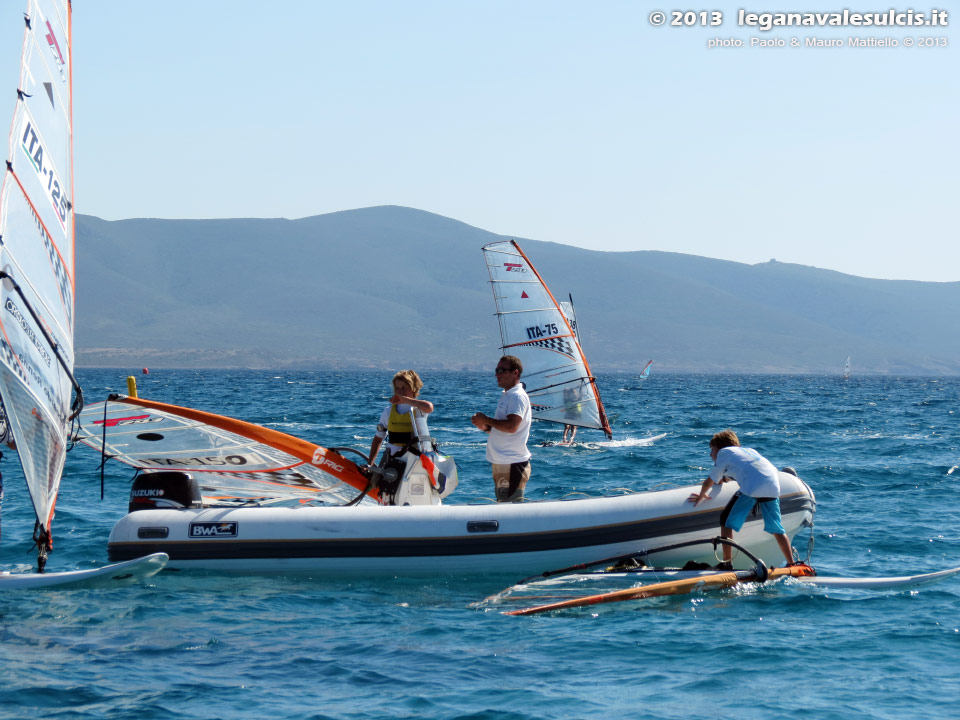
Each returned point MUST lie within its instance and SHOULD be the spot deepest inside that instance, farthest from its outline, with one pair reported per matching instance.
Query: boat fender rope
(809, 545)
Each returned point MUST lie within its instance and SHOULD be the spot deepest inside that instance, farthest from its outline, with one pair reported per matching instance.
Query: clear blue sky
(573, 122)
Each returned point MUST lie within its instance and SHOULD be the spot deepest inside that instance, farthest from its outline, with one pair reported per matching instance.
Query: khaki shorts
(510, 480)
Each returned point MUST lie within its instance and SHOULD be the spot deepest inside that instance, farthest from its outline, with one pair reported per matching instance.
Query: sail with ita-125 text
(37, 284)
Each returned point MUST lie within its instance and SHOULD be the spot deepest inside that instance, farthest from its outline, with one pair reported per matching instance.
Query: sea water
(881, 454)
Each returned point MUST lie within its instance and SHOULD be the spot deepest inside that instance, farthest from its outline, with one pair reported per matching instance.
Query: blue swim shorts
(740, 506)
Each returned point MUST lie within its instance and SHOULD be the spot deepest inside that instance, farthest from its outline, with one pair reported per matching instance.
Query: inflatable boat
(255, 500)
(491, 539)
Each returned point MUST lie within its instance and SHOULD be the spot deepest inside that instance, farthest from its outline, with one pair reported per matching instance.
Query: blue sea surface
(881, 453)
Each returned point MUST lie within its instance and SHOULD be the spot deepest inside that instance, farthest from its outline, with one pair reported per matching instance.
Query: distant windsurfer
(572, 407)
(508, 430)
(396, 425)
(759, 484)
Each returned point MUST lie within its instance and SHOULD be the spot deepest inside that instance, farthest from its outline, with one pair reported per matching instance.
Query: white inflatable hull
(449, 540)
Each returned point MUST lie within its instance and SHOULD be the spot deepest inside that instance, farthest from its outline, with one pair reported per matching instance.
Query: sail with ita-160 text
(543, 333)
(37, 289)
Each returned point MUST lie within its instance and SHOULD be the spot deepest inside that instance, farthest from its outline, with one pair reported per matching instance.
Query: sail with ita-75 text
(544, 334)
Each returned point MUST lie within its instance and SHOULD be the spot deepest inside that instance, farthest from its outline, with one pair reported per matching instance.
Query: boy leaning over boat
(759, 484)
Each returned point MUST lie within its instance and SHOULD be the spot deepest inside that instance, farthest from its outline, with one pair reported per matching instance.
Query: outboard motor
(415, 487)
(165, 489)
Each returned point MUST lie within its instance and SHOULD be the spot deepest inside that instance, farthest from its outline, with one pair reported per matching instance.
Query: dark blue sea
(881, 453)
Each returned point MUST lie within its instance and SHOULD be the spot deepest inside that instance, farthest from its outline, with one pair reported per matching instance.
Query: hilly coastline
(389, 287)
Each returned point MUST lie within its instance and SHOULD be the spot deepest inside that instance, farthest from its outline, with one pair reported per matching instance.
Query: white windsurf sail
(535, 328)
(37, 288)
(571, 315)
(234, 462)
(846, 368)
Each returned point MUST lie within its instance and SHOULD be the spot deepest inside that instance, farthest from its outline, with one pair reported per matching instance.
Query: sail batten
(543, 334)
(549, 308)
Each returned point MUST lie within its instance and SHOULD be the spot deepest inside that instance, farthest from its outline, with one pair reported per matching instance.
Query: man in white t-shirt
(509, 429)
(759, 483)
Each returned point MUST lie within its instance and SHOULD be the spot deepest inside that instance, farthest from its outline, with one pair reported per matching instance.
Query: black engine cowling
(164, 490)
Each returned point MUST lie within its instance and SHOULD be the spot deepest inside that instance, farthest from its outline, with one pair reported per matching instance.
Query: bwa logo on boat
(213, 529)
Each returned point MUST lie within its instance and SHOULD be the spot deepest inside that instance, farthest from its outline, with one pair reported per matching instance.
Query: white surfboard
(879, 583)
(124, 573)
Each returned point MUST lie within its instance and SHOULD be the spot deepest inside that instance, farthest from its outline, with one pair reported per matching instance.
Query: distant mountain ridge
(391, 287)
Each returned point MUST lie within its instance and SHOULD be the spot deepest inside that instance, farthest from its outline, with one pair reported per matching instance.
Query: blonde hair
(411, 378)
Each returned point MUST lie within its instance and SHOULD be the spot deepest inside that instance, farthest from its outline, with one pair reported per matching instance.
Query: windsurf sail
(37, 283)
(233, 461)
(645, 373)
(570, 313)
(846, 368)
(536, 328)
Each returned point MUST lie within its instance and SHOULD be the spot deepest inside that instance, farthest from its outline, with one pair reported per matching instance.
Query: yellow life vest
(399, 427)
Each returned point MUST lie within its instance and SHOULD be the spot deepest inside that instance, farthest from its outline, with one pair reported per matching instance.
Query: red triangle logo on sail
(524, 294)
